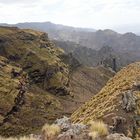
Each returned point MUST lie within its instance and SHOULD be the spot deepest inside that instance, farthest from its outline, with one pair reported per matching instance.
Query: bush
(98, 129)
(49, 132)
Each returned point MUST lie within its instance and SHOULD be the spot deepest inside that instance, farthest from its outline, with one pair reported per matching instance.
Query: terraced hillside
(118, 99)
(37, 81)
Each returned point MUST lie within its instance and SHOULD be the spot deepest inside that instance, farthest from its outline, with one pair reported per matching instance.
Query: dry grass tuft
(20, 138)
(98, 128)
(93, 135)
(49, 132)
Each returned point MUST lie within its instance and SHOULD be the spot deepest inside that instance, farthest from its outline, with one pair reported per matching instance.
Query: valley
(69, 70)
(68, 86)
(52, 90)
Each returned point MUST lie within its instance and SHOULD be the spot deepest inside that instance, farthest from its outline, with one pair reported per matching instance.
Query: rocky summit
(39, 82)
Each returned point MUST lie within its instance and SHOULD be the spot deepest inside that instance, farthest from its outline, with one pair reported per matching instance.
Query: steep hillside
(85, 82)
(22, 110)
(37, 81)
(36, 55)
(46, 75)
(117, 101)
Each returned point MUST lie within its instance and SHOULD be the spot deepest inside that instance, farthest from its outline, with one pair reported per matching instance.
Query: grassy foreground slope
(109, 102)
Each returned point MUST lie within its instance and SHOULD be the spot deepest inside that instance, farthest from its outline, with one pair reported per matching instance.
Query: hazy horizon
(118, 15)
(122, 29)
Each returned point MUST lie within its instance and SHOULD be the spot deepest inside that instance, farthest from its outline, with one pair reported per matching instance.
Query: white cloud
(17, 1)
(84, 13)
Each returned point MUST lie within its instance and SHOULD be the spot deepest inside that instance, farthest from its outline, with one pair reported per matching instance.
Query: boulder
(129, 101)
(70, 130)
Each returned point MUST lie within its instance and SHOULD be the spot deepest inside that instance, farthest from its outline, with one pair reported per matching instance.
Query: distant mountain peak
(129, 34)
(107, 31)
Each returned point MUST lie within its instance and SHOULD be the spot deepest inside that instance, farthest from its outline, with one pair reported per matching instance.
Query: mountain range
(86, 44)
(86, 37)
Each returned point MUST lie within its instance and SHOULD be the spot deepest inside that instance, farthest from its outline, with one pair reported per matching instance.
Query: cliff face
(117, 103)
(37, 81)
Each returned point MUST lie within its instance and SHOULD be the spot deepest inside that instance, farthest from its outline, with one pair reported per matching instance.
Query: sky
(121, 15)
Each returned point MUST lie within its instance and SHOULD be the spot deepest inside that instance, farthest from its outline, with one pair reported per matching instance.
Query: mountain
(55, 31)
(117, 104)
(45, 26)
(39, 82)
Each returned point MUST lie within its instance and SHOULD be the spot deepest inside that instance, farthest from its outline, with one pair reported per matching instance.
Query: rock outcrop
(129, 100)
(117, 137)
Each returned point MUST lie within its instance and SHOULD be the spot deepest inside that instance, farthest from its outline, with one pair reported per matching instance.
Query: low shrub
(49, 132)
(98, 129)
